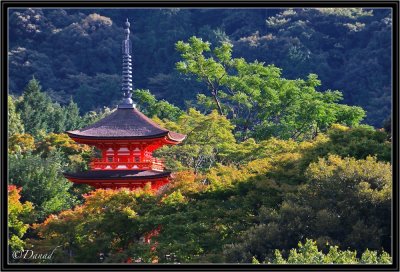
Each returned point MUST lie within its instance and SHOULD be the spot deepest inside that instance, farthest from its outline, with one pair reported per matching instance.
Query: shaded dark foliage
(76, 52)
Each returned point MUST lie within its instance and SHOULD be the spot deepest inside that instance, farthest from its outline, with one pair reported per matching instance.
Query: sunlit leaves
(149, 105)
(21, 143)
(18, 215)
(103, 223)
(308, 253)
(257, 99)
(207, 138)
(14, 119)
(74, 156)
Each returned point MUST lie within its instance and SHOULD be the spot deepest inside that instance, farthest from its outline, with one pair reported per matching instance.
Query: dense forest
(77, 52)
(281, 164)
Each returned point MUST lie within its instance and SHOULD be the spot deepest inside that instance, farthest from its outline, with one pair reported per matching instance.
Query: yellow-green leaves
(308, 253)
(208, 136)
(18, 214)
(150, 106)
(257, 99)
(14, 119)
(174, 198)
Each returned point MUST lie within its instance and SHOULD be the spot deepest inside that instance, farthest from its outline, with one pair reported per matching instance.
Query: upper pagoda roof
(125, 123)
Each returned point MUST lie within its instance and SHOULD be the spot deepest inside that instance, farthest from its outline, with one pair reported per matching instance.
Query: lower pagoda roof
(117, 175)
(125, 124)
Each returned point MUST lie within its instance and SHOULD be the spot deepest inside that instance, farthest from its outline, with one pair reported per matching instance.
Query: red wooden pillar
(130, 147)
(142, 149)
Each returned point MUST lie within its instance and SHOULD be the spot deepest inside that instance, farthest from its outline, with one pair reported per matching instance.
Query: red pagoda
(127, 139)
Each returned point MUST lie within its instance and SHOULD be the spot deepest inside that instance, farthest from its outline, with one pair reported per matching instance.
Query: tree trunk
(218, 105)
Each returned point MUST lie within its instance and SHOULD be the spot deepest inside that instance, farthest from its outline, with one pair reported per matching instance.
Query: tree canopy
(274, 157)
(76, 52)
(260, 103)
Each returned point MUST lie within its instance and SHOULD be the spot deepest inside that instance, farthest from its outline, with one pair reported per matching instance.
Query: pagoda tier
(120, 178)
(126, 140)
(125, 124)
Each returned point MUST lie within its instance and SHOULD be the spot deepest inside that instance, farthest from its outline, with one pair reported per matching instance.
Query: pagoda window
(137, 159)
(109, 159)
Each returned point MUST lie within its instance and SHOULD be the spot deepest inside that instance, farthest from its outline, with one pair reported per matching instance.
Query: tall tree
(257, 99)
(72, 118)
(35, 108)
(208, 70)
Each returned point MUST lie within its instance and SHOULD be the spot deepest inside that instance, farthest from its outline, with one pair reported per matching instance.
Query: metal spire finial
(127, 102)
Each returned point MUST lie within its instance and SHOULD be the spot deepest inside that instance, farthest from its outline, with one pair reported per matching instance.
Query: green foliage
(206, 69)
(149, 105)
(21, 143)
(236, 210)
(345, 201)
(18, 215)
(372, 257)
(94, 116)
(40, 115)
(116, 221)
(14, 119)
(250, 150)
(260, 103)
(96, 91)
(265, 167)
(308, 253)
(73, 119)
(174, 198)
(349, 116)
(97, 226)
(68, 50)
(208, 136)
(349, 47)
(360, 142)
(41, 181)
(245, 180)
(73, 156)
(290, 159)
(35, 108)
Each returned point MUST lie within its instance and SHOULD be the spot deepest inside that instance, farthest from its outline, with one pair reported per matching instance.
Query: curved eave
(167, 137)
(176, 137)
(76, 135)
(86, 177)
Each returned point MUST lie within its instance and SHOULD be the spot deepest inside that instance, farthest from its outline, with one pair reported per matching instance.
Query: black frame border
(394, 5)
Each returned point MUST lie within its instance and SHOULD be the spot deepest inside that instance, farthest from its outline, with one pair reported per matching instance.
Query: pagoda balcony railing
(153, 164)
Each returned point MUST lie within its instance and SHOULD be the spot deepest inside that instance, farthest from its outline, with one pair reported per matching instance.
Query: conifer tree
(35, 108)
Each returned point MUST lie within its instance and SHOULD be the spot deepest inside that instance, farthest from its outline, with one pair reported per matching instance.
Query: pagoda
(126, 139)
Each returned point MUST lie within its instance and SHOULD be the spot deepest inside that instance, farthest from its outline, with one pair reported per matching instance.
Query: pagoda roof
(125, 123)
(117, 174)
